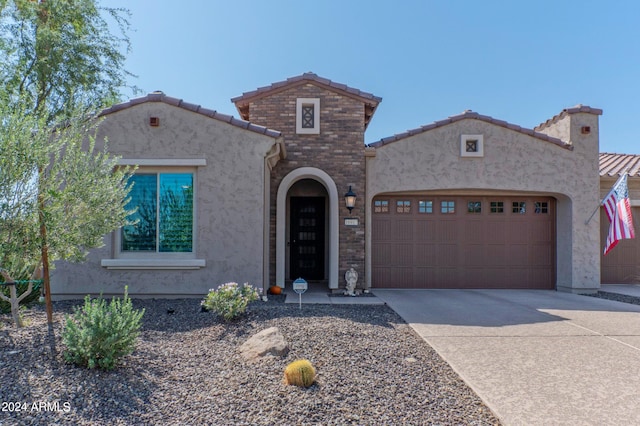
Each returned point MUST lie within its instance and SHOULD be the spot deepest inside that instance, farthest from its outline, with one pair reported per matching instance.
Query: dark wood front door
(306, 240)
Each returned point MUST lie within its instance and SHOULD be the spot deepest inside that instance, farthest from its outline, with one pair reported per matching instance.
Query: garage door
(622, 264)
(463, 242)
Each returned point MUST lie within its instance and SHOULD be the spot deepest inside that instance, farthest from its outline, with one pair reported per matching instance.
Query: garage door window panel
(519, 207)
(425, 206)
(474, 207)
(497, 207)
(403, 206)
(541, 207)
(447, 207)
(381, 206)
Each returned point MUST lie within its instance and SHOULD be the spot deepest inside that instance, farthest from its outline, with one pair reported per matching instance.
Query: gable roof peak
(307, 76)
(369, 100)
(159, 96)
(468, 114)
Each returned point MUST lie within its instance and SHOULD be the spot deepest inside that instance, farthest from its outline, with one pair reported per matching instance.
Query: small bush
(98, 335)
(300, 373)
(230, 300)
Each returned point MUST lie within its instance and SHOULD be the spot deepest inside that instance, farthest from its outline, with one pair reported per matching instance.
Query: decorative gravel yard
(186, 370)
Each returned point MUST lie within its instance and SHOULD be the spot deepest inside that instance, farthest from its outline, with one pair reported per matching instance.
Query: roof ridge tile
(309, 76)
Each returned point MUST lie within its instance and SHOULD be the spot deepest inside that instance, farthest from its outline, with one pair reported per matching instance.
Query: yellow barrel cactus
(300, 373)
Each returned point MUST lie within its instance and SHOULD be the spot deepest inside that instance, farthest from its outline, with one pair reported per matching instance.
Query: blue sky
(519, 61)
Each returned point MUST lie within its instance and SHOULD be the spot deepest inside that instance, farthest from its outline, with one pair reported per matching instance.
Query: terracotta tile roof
(616, 164)
(474, 116)
(564, 112)
(161, 97)
(371, 102)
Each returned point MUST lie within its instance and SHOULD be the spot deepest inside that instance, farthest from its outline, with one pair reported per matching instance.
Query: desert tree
(63, 56)
(61, 180)
(62, 61)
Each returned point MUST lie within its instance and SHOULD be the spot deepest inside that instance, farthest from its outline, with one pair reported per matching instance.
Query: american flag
(618, 209)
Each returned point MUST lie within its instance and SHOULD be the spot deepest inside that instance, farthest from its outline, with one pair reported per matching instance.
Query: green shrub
(300, 373)
(99, 334)
(230, 300)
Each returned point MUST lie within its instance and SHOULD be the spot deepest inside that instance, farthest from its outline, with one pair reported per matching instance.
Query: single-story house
(466, 202)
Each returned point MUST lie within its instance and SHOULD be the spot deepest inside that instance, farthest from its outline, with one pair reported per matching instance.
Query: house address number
(351, 221)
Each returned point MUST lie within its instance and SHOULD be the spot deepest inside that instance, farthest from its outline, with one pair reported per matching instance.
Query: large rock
(269, 342)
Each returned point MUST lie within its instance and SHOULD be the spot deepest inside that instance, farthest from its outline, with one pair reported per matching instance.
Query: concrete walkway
(535, 357)
(321, 295)
(628, 289)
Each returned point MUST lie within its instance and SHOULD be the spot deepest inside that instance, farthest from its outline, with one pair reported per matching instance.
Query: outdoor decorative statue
(351, 276)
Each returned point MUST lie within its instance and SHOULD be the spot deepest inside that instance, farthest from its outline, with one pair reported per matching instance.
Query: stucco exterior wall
(513, 162)
(229, 203)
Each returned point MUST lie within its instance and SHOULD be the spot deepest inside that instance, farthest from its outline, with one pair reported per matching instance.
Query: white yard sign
(300, 286)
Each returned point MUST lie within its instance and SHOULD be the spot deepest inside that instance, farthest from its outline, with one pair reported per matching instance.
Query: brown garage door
(622, 264)
(463, 242)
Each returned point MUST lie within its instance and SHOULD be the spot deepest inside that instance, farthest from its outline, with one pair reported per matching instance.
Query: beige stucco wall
(513, 162)
(633, 183)
(230, 203)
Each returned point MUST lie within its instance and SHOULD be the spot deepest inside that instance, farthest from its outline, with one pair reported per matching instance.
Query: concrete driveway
(534, 357)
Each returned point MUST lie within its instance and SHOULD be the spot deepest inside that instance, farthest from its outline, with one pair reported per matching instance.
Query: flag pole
(594, 212)
(623, 174)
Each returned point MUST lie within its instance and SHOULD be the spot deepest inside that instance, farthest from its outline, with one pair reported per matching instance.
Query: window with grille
(541, 207)
(472, 146)
(403, 206)
(519, 207)
(308, 116)
(425, 206)
(381, 206)
(474, 207)
(447, 207)
(497, 207)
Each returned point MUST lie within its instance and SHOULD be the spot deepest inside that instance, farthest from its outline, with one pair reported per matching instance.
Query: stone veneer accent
(338, 150)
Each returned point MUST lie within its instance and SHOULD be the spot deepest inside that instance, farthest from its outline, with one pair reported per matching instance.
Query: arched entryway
(293, 199)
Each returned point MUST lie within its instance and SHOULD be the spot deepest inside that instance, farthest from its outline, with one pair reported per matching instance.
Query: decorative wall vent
(472, 146)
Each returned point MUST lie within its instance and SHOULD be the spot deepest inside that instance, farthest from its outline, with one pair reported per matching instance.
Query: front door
(306, 241)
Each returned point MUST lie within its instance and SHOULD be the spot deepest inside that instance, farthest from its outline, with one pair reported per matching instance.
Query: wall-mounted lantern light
(350, 199)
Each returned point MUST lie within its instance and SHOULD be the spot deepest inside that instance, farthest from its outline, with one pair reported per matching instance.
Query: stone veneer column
(338, 150)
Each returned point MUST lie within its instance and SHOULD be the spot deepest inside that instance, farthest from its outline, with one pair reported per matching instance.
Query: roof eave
(470, 115)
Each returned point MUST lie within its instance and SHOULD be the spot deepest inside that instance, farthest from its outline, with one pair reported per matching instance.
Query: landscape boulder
(267, 343)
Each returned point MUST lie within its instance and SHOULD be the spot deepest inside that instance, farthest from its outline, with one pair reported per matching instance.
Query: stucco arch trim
(281, 210)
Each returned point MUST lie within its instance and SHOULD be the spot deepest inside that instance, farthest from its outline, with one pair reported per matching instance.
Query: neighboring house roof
(468, 114)
(616, 164)
(161, 97)
(371, 102)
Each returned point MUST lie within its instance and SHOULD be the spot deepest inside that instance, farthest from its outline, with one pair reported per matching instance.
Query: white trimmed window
(163, 223)
(472, 146)
(308, 116)
(163, 216)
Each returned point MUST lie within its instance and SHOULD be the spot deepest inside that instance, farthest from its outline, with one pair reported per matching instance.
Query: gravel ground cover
(617, 297)
(186, 370)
